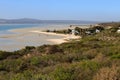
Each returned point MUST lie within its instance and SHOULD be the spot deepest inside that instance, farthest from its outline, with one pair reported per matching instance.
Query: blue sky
(94, 10)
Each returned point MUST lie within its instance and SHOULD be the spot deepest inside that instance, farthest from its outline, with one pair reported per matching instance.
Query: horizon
(84, 10)
(55, 19)
(44, 19)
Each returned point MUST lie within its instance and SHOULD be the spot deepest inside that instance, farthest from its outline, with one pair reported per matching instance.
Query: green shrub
(116, 56)
(35, 61)
(107, 73)
(84, 70)
(61, 73)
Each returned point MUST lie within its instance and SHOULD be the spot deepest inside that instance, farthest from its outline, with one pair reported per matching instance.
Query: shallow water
(31, 39)
(5, 27)
(11, 41)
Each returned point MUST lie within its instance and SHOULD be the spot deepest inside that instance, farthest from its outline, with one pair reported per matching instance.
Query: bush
(4, 55)
(53, 49)
(90, 54)
(29, 48)
(85, 70)
(116, 56)
(61, 73)
(35, 61)
(107, 73)
(11, 65)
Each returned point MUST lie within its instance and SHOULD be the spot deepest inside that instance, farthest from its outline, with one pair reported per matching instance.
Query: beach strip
(66, 38)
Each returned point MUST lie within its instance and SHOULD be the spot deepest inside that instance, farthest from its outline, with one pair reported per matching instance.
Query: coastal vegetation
(93, 57)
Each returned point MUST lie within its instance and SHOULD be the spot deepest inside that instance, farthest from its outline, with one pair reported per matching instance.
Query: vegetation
(112, 24)
(90, 58)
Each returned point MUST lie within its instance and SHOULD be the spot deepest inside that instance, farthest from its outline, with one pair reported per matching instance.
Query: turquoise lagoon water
(4, 28)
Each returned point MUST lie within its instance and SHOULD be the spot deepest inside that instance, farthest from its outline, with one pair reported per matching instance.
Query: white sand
(37, 30)
(58, 41)
(32, 37)
(49, 33)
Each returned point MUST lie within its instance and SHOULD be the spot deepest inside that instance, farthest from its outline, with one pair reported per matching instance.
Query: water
(4, 27)
(10, 43)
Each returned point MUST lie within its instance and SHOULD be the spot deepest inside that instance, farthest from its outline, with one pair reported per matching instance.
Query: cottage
(118, 31)
(74, 32)
(97, 30)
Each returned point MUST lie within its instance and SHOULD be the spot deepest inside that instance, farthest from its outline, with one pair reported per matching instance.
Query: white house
(74, 32)
(118, 31)
(97, 30)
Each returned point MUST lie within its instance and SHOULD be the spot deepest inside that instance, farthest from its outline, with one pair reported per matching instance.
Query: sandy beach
(33, 37)
(66, 38)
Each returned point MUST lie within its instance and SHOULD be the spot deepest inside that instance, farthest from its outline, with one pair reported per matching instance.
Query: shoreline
(33, 37)
(42, 31)
(66, 38)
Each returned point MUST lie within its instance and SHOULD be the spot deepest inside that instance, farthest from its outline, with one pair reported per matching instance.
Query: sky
(90, 10)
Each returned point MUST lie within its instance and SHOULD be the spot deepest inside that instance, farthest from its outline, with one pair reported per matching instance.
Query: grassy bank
(94, 57)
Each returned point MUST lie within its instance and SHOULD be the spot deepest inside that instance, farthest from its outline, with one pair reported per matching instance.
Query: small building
(118, 31)
(74, 32)
(97, 31)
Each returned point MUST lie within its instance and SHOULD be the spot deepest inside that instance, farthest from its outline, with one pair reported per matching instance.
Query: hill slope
(94, 57)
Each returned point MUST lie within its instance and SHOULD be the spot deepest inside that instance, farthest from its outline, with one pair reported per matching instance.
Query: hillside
(19, 21)
(94, 57)
(37, 21)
